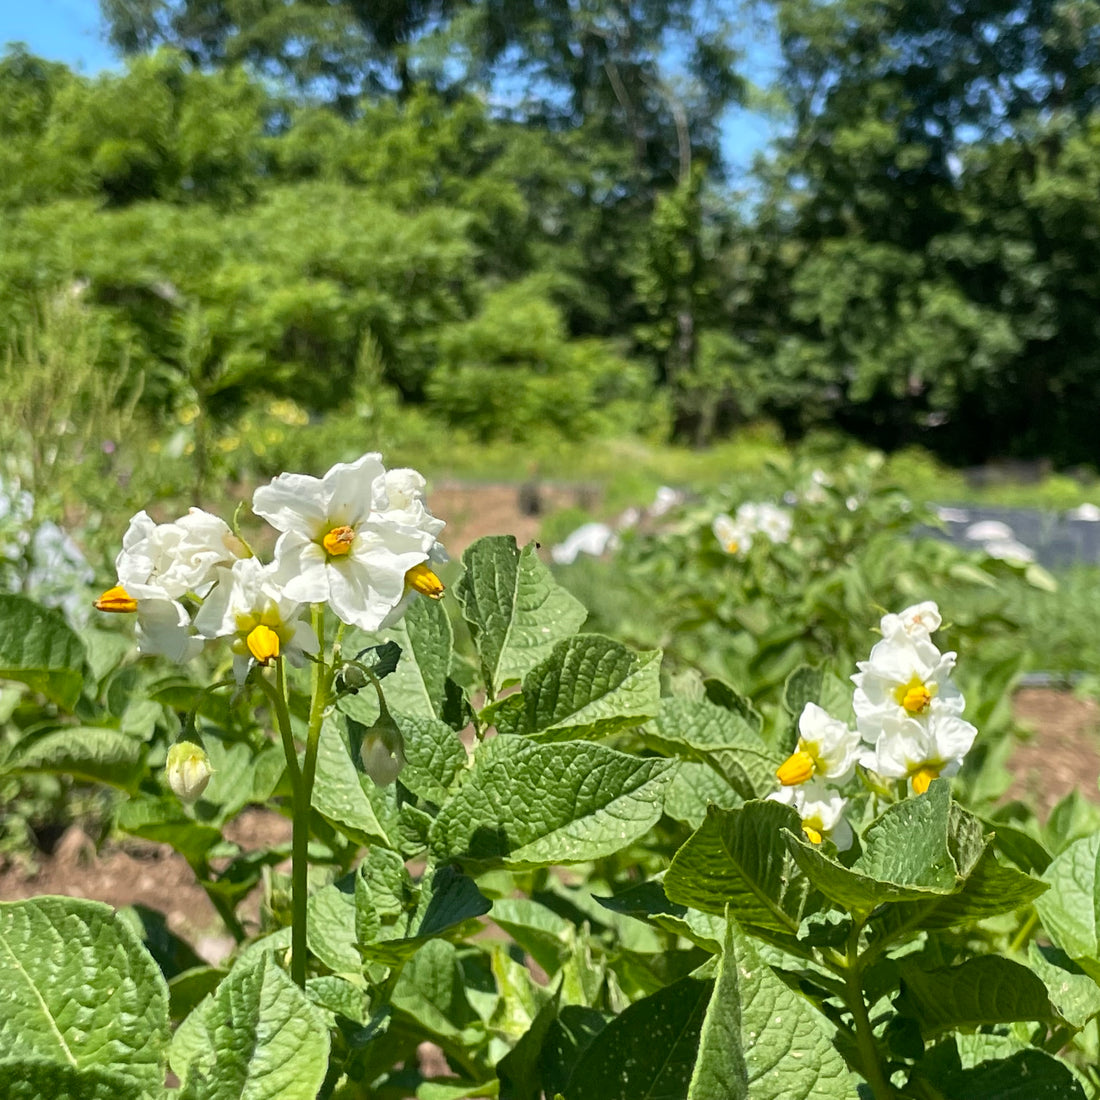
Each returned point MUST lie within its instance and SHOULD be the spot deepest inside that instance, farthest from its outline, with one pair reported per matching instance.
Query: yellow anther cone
(811, 833)
(263, 643)
(421, 579)
(116, 599)
(916, 699)
(922, 780)
(797, 768)
(338, 541)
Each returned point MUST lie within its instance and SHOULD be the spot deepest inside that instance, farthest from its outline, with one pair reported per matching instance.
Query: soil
(1062, 752)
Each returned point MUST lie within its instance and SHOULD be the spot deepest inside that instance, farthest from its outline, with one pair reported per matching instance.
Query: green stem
(277, 695)
(873, 1071)
(303, 795)
(1025, 933)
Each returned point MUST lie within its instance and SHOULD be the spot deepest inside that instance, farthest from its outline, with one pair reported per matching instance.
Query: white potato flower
(774, 522)
(343, 544)
(164, 629)
(827, 749)
(170, 560)
(248, 606)
(732, 536)
(821, 810)
(921, 621)
(906, 676)
(920, 750)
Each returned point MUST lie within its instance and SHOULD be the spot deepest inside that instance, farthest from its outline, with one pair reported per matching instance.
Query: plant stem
(277, 695)
(321, 685)
(873, 1072)
(1024, 934)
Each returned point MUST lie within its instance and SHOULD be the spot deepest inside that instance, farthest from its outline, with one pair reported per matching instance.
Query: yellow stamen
(914, 696)
(421, 579)
(922, 779)
(732, 546)
(338, 541)
(797, 768)
(263, 643)
(116, 599)
(811, 833)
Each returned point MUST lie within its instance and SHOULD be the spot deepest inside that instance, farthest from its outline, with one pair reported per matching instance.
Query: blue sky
(61, 30)
(71, 31)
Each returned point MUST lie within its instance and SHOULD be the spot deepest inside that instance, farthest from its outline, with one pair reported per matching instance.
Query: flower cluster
(909, 727)
(908, 709)
(735, 533)
(360, 540)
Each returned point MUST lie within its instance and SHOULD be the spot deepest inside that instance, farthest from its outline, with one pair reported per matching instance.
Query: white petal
(349, 489)
(293, 502)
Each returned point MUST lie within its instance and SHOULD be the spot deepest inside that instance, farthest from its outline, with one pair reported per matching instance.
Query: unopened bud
(383, 750)
(188, 770)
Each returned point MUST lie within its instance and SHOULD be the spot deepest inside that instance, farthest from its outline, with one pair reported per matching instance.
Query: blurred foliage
(523, 210)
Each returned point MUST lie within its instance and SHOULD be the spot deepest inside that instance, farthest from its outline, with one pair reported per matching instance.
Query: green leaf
(989, 889)
(1072, 992)
(905, 856)
(1070, 910)
(515, 609)
(343, 794)
(518, 1070)
(90, 753)
(417, 686)
(700, 730)
(589, 687)
(431, 991)
(79, 989)
(40, 1079)
(448, 900)
(525, 805)
(995, 1067)
(330, 926)
(801, 687)
(738, 858)
(435, 757)
(648, 902)
(648, 1051)
(40, 649)
(760, 1039)
(983, 990)
(257, 1037)
(693, 789)
(165, 821)
(722, 695)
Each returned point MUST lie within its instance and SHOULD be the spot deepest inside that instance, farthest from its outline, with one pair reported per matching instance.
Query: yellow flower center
(421, 579)
(338, 541)
(914, 696)
(812, 834)
(797, 768)
(116, 599)
(263, 643)
(922, 778)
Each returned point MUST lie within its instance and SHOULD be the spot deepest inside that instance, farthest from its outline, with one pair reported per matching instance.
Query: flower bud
(383, 750)
(187, 770)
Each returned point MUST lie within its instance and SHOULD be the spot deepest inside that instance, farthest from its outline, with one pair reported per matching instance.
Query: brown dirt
(1063, 751)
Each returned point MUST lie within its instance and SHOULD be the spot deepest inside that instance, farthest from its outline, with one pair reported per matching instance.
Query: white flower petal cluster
(735, 533)
(359, 539)
(825, 758)
(822, 811)
(908, 709)
(827, 749)
(171, 560)
(345, 541)
(248, 606)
